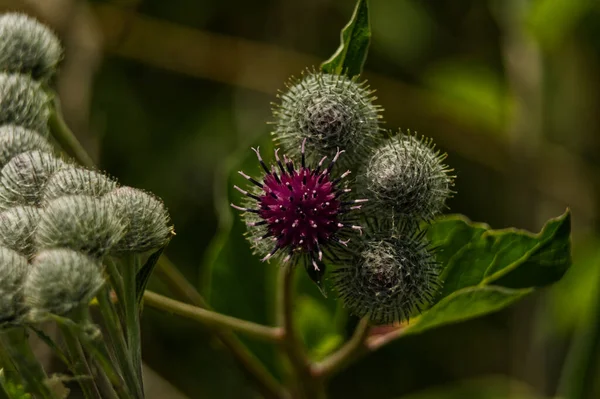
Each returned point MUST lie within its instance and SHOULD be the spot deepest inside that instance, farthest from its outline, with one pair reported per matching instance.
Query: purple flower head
(301, 211)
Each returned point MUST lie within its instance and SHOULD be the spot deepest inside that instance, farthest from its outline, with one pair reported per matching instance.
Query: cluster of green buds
(61, 224)
(368, 229)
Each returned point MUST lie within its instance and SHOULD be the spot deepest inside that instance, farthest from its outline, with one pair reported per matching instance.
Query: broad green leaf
(472, 254)
(465, 304)
(355, 38)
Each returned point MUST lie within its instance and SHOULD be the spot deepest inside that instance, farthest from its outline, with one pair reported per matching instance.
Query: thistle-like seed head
(15, 140)
(407, 180)
(23, 178)
(23, 102)
(13, 270)
(28, 47)
(147, 222)
(300, 210)
(17, 229)
(330, 112)
(77, 181)
(388, 279)
(60, 280)
(81, 223)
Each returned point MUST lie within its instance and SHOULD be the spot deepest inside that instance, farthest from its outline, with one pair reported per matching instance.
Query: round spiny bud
(81, 223)
(76, 181)
(331, 112)
(23, 178)
(23, 102)
(60, 280)
(17, 228)
(13, 270)
(407, 180)
(15, 140)
(388, 279)
(145, 217)
(28, 47)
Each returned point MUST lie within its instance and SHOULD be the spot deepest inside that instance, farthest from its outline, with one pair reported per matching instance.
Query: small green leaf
(472, 254)
(465, 304)
(355, 39)
(143, 275)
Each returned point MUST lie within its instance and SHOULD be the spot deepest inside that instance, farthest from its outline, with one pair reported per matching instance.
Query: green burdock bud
(388, 279)
(332, 112)
(147, 220)
(15, 140)
(406, 179)
(17, 228)
(28, 47)
(76, 181)
(60, 280)
(13, 270)
(23, 102)
(81, 223)
(23, 178)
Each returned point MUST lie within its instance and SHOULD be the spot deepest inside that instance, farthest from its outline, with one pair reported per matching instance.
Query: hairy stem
(213, 319)
(132, 315)
(305, 384)
(16, 345)
(79, 364)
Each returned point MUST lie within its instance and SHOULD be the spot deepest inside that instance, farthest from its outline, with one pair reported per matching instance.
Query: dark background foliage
(169, 96)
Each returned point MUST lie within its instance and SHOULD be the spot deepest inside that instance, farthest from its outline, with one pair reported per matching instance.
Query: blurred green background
(169, 96)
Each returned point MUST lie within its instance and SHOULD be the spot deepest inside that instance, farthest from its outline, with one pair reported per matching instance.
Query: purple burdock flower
(300, 210)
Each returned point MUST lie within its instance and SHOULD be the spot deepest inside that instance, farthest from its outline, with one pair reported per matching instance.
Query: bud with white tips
(406, 179)
(17, 228)
(147, 221)
(28, 47)
(23, 102)
(76, 181)
(15, 140)
(79, 222)
(331, 112)
(60, 280)
(13, 270)
(23, 178)
(388, 279)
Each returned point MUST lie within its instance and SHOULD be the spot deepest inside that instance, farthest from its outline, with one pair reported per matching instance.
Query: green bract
(17, 228)
(23, 102)
(28, 47)
(145, 217)
(60, 280)
(15, 140)
(75, 181)
(332, 112)
(13, 269)
(81, 223)
(23, 178)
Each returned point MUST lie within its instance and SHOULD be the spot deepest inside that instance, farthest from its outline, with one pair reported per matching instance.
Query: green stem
(168, 273)
(79, 364)
(65, 137)
(347, 354)
(132, 315)
(16, 345)
(306, 386)
(116, 341)
(213, 319)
